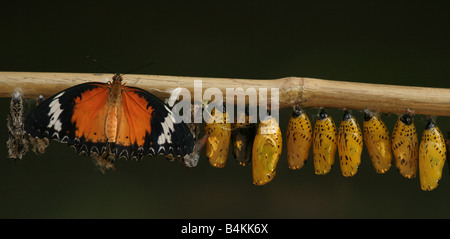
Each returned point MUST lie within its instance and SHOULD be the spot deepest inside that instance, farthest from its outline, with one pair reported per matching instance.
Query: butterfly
(111, 118)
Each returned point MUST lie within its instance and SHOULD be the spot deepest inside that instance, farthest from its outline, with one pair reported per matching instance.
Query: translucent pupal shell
(432, 155)
(378, 142)
(350, 145)
(266, 151)
(218, 142)
(17, 143)
(325, 141)
(242, 137)
(298, 139)
(405, 146)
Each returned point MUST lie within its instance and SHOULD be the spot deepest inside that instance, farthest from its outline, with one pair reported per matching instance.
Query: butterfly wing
(147, 126)
(74, 116)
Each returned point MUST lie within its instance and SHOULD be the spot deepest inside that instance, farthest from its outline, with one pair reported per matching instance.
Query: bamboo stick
(307, 92)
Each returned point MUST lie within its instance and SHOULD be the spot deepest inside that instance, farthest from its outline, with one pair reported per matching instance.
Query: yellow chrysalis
(266, 151)
(218, 142)
(350, 145)
(298, 139)
(432, 154)
(405, 145)
(377, 141)
(324, 143)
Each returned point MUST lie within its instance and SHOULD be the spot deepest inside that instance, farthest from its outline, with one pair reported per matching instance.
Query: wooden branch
(307, 92)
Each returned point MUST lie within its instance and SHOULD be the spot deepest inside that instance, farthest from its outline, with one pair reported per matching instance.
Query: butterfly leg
(105, 160)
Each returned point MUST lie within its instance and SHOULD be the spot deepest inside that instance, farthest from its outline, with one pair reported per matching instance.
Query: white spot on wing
(59, 95)
(54, 113)
(167, 125)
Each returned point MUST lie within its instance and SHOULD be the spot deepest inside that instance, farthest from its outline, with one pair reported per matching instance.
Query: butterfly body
(114, 101)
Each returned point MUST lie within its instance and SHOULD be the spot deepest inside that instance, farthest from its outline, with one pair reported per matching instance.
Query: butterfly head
(117, 78)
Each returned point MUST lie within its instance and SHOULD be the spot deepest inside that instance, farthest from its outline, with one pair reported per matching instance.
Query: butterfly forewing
(53, 118)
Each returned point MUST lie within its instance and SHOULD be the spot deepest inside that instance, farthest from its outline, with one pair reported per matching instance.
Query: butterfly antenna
(100, 64)
(138, 68)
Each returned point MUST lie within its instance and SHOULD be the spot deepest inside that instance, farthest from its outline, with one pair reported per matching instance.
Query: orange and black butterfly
(120, 120)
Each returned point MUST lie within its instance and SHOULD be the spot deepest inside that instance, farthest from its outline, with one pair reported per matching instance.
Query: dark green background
(392, 43)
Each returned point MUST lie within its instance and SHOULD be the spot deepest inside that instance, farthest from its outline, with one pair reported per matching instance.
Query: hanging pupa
(266, 151)
(432, 155)
(405, 146)
(298, 139)
(242, 137)
(377, 141)
(324, 143)
(218, 128)
(17, 143)
(350, 145)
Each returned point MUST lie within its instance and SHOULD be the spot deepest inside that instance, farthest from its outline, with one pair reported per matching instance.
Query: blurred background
(396, 43)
